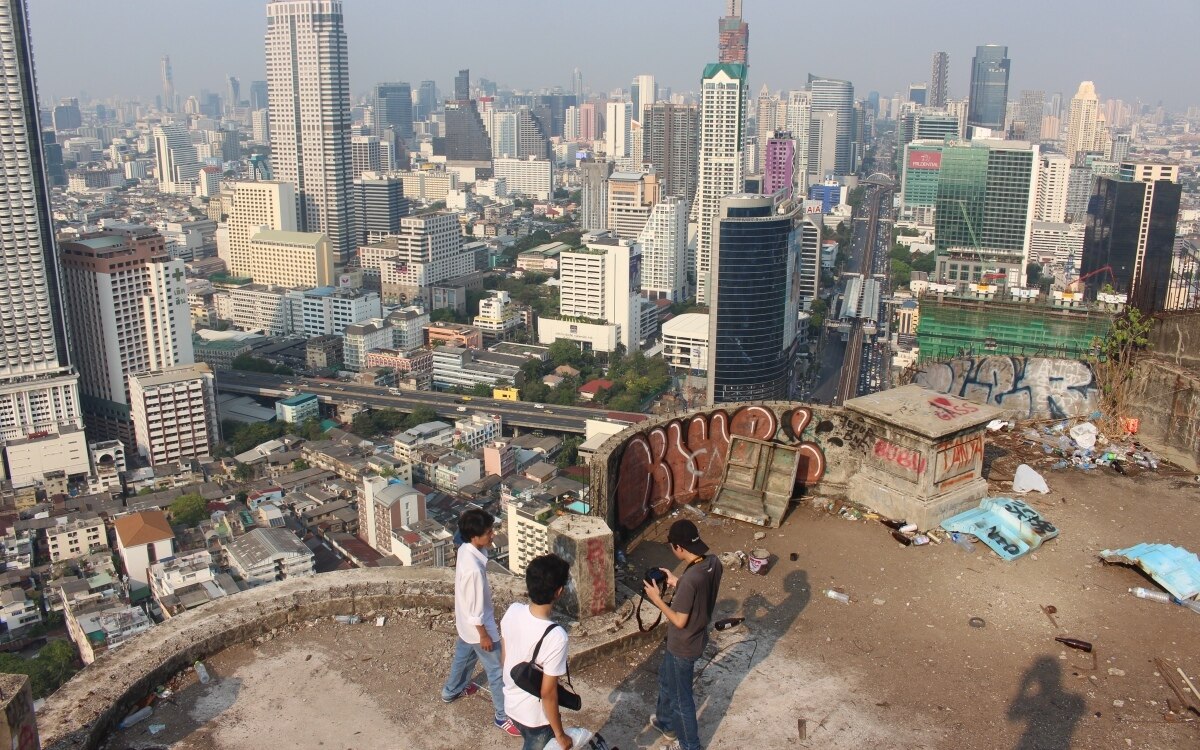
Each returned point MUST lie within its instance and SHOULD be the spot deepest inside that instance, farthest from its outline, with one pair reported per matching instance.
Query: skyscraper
(253, 205)
(733, 35)
(427, 96)
(394, 109)
(168, 83)
(671, 144)
(577, 85)
(771, 116)
(1033, 104)
(233, 92)
(1130, 232)
(989, 88)
(939, 80)
(754, 310)
(833, 95)
(41, 427)
(779, 164)
(1085, 124)
(258, 95)
(664, 251)
(594, 179)
(175, 159)
(644, 92)
(798, 122)
(467, 140)
(617, 117)
(719, 170)
(308, 84)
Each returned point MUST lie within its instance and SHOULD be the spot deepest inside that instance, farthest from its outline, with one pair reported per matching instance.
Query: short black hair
(544, 576)
(474, 523)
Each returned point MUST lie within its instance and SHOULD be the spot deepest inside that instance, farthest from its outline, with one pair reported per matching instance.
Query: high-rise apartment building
(175, 413)
(589, 122)
(308, 88)
(254, 206)
(427, 249)
(380, 202)
(175, 162)
(798, 122)
(365, 155)
(291, 259)
(733, 35)
(1131, 223)
(664, 251)
(939, 80)
(1053, 178)
(393, 108)
(126, 301)
(532, 177)
(594, 194)
(502, 130)
(988, 96)
(671, 144)
(1032, 107)
(532, 136)
(779, 164)
(833, 95)
(617, 118)
(719, 170)
(600, 282)
(467, 140)
(427, 99)
(168, 83)
(631, 196)
(823, 146)
(986, 199)
(808, 234)
(771, 117)
(643, 92)
(754, 309)
(41, 426)
(1085, 124)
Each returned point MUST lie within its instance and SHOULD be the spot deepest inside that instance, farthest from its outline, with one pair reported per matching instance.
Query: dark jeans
(535, 737)
(676, 709)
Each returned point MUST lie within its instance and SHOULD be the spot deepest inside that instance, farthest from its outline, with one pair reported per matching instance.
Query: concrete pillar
(586, 543)
(19, 731)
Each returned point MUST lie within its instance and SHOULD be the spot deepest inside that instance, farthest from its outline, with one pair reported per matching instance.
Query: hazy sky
(1143, 49)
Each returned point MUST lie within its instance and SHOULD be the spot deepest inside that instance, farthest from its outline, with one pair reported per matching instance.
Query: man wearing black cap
(687, 617)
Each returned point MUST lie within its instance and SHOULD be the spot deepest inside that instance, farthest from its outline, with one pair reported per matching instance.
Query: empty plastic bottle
(837, 596)
(202, 671)
(1157, 596)
(962, 541)
(138, 715)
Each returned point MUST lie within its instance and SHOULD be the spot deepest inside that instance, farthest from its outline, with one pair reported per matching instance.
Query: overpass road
(522, 414)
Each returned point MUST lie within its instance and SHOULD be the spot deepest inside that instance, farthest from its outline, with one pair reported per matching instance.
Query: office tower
(1130, 234)
(631, 196)
(754, 309)
(126, 302)
(364, 155)
(589, 124)
(833, 95)
(254, 205)
(175, 413)
(1085, 125)
(918, 93)
(644, 92)
(921, 167)
(258, 95)
(308, 88)
(577, 85)
(56, 173)
(939, 80)
(393, 108)
(532, 136)
(664, 251)
(41, 429)
(467, 140)
(502, 130)
(1033, 104)
(67, 115)
(594, 194)
(570, 126)
(926, 124)
(427, 97)
(168, 83)
(1053, 177)
(1116, 151)
(381, 205)
(260, 126)
(809, 237)
(958, 108)
(798, 122)
(779, 164)
(1054, 105)
(600, 282)
(988, 96)
(823, 146)
(772, 116)
(719, 170)
(175, 159)
(616, 134)
(986, 197)
(733, 35)
(291, 259)
(233, 92)
(671, 144)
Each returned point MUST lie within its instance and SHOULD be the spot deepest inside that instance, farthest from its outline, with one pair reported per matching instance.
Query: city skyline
(873, 57)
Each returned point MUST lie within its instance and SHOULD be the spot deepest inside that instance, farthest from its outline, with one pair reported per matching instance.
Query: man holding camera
(688, 616)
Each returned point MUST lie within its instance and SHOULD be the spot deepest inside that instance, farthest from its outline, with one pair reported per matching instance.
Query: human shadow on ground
(728, 660)
(1050, 713)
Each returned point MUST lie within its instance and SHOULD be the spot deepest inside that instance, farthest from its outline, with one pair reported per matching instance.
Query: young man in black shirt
(688, 616)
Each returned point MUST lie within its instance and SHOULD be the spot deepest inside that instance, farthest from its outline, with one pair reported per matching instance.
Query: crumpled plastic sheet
(1174, 568)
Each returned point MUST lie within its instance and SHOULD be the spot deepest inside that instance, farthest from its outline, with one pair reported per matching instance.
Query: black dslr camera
(657, 577)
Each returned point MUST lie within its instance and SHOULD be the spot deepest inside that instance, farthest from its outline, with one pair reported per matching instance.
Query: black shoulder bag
(528, 676)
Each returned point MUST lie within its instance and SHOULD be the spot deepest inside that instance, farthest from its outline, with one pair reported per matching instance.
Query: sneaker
(666, 733)
(506, 726)
(468, 691)
(672, 745)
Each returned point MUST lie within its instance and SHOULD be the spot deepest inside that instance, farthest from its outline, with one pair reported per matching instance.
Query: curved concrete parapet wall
(84, 710)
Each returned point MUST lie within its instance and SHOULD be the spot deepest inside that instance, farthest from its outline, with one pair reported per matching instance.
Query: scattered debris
(1026, 479)
(1085, 447)
(837, 596)
(347, 619)
(1173, 568)
(201, 672)
(156, 728)
(977, 622)
(802, 727)
(142, 713)
(1010, 527)
(380, 621)
(759, 557)
(1075, 643)
(760, 535)
(1049, 611)
(794, 556)
(998, 424)
(1084, 434)
(1183, 688)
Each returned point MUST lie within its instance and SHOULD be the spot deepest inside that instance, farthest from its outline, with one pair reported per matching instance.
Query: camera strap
(638, 614)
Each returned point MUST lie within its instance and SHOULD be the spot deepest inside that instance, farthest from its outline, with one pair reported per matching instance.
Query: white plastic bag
(1084, 435)
(582, 739)
(1028, 480)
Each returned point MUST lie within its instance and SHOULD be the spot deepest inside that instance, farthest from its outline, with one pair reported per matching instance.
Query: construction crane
(1071, 287)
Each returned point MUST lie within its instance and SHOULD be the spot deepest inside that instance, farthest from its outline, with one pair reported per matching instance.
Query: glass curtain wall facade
(988, 101)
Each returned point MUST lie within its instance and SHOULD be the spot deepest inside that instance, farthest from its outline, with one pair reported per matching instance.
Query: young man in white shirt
(475, 618)
(537, 716)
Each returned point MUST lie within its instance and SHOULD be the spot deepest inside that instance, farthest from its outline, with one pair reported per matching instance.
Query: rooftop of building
(260, 545)
(145, 527)
(687, 325)
(169, 375)
(282, 237)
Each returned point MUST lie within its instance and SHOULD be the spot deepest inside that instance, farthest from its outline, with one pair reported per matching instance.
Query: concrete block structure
(586, 542)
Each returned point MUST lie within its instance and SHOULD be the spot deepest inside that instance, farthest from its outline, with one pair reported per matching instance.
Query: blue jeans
(676, 711)
(465, 657)
(535, 737)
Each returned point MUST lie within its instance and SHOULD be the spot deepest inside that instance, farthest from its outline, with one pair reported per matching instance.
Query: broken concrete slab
(1174, 568)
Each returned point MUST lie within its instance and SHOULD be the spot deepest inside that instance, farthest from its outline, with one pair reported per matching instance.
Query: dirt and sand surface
(898, 667)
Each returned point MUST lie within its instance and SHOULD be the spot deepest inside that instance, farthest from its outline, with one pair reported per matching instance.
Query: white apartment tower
(365, 155)
(722, 122)
(617, 118)
(664, 251)
(1085, 123)
(175, 161)
(126, 300)
(175, 413)
(643, 93)
(308, 94)
(255, 206)
(772, 117)
(798, 122)
(1053, 176)
(600, 282)
(41, 426)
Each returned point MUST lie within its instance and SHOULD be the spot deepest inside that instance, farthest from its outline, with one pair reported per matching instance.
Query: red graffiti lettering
(945, 409)
(906, 458)
(598, 572)
(959, 455)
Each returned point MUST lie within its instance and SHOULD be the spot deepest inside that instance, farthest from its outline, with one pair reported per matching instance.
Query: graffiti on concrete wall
(683, 461)
(22, 726)
(962, 455)
(1027, 387)
(909, 460)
